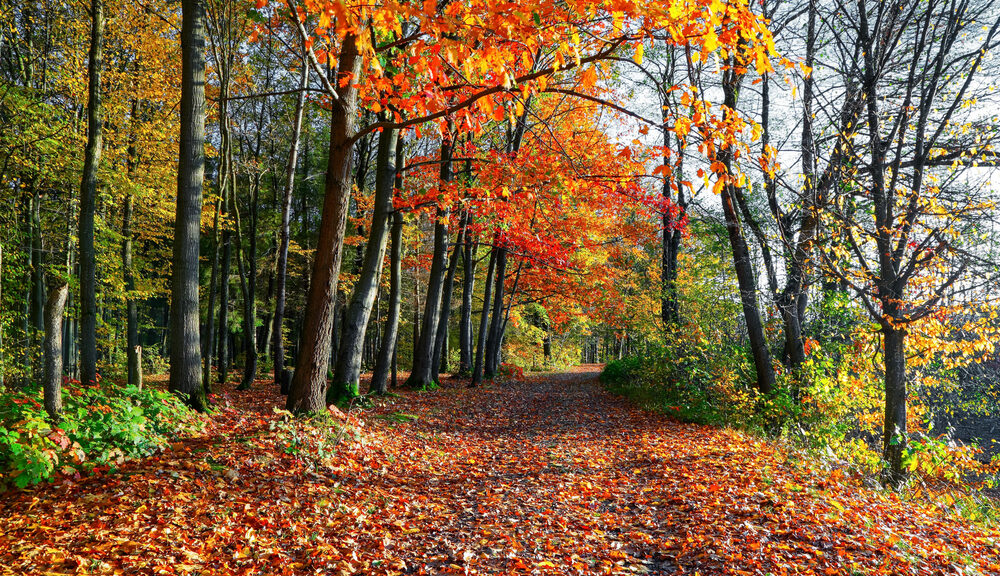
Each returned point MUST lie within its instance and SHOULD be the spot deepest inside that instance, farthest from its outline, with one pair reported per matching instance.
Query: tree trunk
(227, 258)
(278, 336)
(308, 390)
(88, 200)
(227, 189)
(34, 327)
(496, 321)
(422, 374)
(247, 268)
(185, 355)
(52, 382)
(894, 434)
(387, 352)
(468, 290)
(477, 371)
(131, 310)
(348, 367)
(416, 318)
(439, 361)
(669, 303)
(745, 274)
(210, 332)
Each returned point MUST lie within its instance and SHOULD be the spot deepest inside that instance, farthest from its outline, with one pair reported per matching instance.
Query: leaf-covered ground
(548, 476)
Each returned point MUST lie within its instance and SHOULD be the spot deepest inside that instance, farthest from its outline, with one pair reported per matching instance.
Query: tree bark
(496, 320)
(385, 362)
(185, 354)
(34, 325)
(477, 371)
(421, 375)
(131, 309)
(308, 389)
(52, 382)
(281, 274)
(745, 274)
(227, 187)
(387, 350)
(439, 360)
(347, 372)
(468, 290)
(894, 434)
(247, 268)
(208, 350)
(88, 199)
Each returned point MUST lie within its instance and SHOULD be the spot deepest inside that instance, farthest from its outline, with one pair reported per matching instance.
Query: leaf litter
(551, 475)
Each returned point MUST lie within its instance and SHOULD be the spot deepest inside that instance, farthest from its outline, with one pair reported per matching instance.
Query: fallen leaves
(547, 476)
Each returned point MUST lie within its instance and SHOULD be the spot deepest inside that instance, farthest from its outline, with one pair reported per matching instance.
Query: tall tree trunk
(347, 372)
(208, 350)
(468, 290)
(669, 303)
(793, 300)
(245, 263)
(281, 274)
(494, 342)
(308, 390)
(745, 274)
(496, 321)
(416, 317)
(227, 258)
(439, 361)
(484, 318)
(52, 382)
(422, 376)
(894, 434)
(88, 199)
(227, 189)
(671, 239)
(35, 329)
(387, 351)
(131, 308)
(185, 355)
(71, 326)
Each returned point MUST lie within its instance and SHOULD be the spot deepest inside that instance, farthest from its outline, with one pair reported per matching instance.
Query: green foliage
(620, 372)
(313, 439)
(101, 426)
(398, 417)
(690, 379)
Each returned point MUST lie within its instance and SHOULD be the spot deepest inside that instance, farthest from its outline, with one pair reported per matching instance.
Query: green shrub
(313, 440)
(101, 426)
(688, 379)
(620, 372)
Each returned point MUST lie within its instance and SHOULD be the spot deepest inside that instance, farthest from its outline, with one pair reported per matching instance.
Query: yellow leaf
(639, 51)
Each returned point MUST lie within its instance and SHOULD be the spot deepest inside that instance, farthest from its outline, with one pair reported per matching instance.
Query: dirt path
(551, 475)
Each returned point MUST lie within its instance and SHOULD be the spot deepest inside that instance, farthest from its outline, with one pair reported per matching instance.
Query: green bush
(101, 426)
(690, 380)
(314, 440)
(621, 372)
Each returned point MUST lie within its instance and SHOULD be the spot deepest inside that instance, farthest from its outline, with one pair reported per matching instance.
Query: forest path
(551, 475)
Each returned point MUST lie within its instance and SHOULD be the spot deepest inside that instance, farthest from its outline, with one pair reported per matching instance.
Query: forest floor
(547, 476)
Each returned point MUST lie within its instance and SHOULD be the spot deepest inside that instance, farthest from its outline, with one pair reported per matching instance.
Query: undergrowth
(101, 427)
(825, 412)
